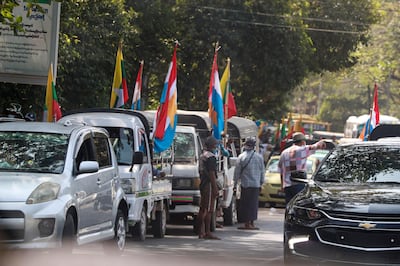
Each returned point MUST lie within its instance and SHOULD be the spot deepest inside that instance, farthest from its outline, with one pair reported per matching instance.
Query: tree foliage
(273, 47)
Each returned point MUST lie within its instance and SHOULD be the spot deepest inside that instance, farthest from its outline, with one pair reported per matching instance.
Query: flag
(166, 117)
(373, 119)
(138, 89)
(52, 110)
(228, 100)
(375, 108)
(215, 104)
(119, 90)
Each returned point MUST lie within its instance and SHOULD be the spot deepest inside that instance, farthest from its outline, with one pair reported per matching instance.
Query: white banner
(26, 57)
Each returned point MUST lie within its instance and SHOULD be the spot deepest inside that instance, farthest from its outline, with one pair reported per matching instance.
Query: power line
(283, 16)
(292, 27)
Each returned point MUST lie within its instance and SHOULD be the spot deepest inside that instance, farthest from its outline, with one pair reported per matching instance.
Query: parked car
(271, 193)
(59, 186)
(349, 211)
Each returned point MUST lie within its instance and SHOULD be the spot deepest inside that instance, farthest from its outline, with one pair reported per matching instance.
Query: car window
(361, 164)
(122, 142)
(102, 151)
(33, 152)
(184, 147)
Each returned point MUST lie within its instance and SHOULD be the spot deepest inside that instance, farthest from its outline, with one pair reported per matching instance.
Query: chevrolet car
(349, 212)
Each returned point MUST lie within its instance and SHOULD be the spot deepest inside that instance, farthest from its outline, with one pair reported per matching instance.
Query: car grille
(179, 183)
(357, 238)
(8, 231)
(365, 217)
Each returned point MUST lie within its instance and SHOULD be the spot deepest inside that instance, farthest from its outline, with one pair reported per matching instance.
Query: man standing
(294, 159)
(250, 170)
(208, 188)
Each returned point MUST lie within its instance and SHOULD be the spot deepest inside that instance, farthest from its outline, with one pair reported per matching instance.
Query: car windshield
(33, 152)
(361, 164)
(122, 142)
(184, 149)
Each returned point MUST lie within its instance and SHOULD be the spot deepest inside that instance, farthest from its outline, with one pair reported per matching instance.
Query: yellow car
(271, 193)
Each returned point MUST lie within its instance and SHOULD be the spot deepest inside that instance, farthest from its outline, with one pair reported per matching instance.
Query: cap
(210, 141)
(298, 136)
(249, 143)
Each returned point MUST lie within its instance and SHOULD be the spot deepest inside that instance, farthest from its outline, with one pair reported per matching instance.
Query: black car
(349, 212)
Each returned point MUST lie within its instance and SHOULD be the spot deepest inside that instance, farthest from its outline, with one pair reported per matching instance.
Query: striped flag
(52, 110)
(228, 100)
(373, 119)
(119, 90)
(215, 104)
(138, 89)
(166, 117)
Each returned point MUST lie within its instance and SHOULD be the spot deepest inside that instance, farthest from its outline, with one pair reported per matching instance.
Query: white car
(59, 186)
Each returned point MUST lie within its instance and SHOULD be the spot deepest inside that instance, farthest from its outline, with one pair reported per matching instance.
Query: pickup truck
(148, 195)
(181, 161)
(59, 187)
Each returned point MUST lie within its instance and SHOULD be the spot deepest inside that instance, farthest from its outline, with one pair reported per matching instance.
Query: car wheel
(159, 225)
(139, 229)
(230, 215)
(69, 234)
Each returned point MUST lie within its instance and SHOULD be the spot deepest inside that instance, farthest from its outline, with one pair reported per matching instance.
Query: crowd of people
(250, 174)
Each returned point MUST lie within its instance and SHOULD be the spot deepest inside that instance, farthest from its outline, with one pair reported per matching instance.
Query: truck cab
(148, 195)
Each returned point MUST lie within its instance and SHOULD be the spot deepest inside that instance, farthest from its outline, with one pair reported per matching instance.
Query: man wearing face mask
(208, 188)
(250, 170)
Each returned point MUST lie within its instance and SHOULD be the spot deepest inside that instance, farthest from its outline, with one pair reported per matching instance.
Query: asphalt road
(179, 247)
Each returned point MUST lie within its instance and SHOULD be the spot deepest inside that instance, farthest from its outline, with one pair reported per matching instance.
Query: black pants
(292, 191)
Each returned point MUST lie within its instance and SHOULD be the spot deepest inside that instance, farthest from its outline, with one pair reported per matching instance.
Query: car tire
(140, 228)
(230, 214)
(68, 241)
(117, 244)
(159, 225)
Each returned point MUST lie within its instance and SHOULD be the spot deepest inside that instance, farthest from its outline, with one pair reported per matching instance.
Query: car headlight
(44, 192)
(128, 185)
(307, 213)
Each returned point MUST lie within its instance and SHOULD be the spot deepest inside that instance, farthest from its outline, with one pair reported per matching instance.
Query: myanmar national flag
(119, 90)
(166, 118)
(52, 110)
(228, 100)
(215, 104)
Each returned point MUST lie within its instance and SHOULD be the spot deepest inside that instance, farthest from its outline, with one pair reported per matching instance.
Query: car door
(93, 190)
(105, 178)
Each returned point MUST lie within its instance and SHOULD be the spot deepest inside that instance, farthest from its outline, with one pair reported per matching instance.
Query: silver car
(59, 186)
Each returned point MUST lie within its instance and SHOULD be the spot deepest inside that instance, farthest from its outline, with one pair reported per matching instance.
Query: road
(180, 246)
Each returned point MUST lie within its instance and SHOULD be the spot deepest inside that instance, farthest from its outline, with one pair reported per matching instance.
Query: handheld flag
(119, 90)
(138, 89)
(166, 117)
(215, 105)
(228, 100)
(52, 110)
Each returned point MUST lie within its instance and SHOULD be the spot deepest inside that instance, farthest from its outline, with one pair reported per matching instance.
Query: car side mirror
(137, 157)
(88, 167)
(299, 176)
